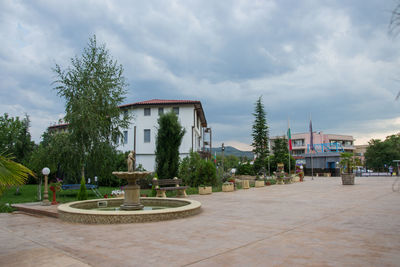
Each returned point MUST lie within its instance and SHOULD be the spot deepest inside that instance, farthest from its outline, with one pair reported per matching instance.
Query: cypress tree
(260, 136)
(169, 138)
(82, 194)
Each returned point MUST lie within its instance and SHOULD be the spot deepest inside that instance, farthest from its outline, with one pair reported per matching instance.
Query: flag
(215, 157)
(311, 137)
(289, 139)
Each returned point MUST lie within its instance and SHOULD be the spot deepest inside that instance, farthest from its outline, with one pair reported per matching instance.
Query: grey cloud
(331, 59)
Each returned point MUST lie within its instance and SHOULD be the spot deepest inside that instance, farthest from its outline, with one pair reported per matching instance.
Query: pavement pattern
(314, 223)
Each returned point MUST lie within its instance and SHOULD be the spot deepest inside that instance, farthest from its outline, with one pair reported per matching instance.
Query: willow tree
(169, 139)
(93, 88)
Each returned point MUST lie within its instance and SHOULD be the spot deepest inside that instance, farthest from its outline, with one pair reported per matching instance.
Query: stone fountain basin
(82, 211)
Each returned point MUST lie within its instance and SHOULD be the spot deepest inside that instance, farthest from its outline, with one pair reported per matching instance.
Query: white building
(141, 135)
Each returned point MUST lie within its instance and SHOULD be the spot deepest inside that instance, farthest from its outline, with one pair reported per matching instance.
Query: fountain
(132, 190)
(130, 209)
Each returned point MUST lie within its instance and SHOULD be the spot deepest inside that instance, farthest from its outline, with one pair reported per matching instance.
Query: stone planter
(348, 178)
(205, 190)
(279, 180)
(259, 183)
(228, 187)
(296, 179)
(245, 184)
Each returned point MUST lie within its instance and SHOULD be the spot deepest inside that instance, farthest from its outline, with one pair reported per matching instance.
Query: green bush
(206, 173)
(6, 208)
(245, 169)
(82, 194)
(195, 171)
(270, 181)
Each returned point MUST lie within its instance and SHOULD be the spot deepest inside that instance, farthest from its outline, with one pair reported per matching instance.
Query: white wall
(145, 151)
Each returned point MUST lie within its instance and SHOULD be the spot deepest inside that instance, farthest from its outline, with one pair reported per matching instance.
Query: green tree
(15, 138)
(245, 168)
(93, 87)
(61, 155)
(230, 161)
(260, 136)
(380, 153)
(196, 171)
(12, 173)
(281, 154)
(168, 140)
(82, 194)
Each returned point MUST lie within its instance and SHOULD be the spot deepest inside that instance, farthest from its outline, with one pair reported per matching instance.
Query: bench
(92, 187)
(166, 183)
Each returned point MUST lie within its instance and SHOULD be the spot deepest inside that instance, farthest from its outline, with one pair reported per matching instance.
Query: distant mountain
(229, 150)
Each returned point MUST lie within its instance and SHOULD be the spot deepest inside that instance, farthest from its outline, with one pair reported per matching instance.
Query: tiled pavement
(314, 223)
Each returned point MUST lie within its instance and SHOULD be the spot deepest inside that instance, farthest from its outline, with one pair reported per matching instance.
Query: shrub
(82, 194)
(6, 208)
(245, 169)
(270, 181)
(195, 171)
(206, 173)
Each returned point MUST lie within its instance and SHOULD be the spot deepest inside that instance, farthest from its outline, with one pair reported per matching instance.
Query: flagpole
(311, 148)
(289, 137)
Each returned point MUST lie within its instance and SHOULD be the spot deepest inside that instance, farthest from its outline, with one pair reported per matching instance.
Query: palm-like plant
(12, 173)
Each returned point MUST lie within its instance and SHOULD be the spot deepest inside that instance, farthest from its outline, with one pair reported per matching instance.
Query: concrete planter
(228, 187)
(245, 184)
(296, 179)
(279, 180)
(259, 183)
(348, 178)
(205, 190)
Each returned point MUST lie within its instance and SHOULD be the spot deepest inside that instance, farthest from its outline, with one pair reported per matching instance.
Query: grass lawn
(29, 193)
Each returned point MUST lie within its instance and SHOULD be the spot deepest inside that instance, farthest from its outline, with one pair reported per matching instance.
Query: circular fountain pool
(106, 211)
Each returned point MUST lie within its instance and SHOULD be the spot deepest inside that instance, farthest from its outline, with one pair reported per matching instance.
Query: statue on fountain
(131, 161)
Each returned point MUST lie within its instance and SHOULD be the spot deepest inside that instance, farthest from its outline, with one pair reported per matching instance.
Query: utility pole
(223, 149)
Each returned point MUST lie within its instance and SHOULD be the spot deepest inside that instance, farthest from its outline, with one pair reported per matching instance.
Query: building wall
(301, 141)
(145, 152)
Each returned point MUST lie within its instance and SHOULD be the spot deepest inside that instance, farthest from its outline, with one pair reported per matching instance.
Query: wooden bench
(181, 190)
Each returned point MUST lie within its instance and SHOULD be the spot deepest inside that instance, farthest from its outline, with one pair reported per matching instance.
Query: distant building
(327, 149)
(360, 153)
(141, 134)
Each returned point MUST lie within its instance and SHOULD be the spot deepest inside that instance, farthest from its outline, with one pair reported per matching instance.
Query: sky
(333, 61)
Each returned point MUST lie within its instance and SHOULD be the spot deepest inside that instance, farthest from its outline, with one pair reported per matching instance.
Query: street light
(46, 202)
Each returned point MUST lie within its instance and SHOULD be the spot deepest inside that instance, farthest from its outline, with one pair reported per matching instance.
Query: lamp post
(223, 149)
(46, 202)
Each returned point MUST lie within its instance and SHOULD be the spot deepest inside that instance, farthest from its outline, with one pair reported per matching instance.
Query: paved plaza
(315, 223)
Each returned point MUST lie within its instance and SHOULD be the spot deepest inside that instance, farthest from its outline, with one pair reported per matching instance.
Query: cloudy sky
(332, 59)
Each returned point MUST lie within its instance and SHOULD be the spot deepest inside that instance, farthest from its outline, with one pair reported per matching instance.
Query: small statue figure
(131, 161)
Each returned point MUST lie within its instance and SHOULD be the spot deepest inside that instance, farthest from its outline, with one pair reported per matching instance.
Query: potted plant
(55, 187)
(205, 190)
(347, 163)
(228, 187)
(259, 182)
(207, 176)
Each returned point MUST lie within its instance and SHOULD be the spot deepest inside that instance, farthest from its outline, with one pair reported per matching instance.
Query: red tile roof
(196, 103)
(161, 102)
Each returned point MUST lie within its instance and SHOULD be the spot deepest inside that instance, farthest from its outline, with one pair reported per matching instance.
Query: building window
(176, 110)
(125, 137)
(160, 111)
(147, 135)
(147, 111)
(298, 142)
